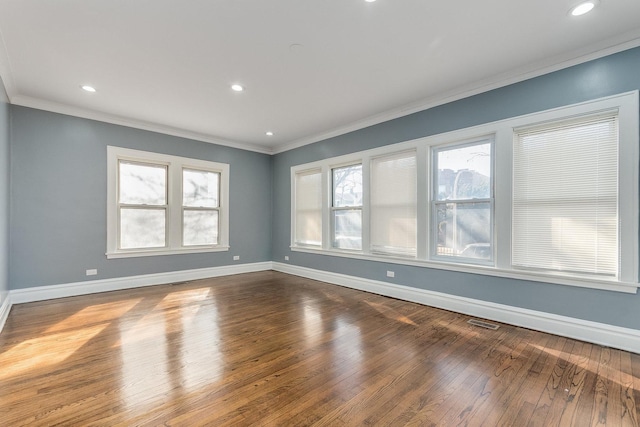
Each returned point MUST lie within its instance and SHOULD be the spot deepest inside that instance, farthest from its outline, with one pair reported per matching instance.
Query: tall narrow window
(200, 207)
(142, 205)
(394, 204)
(463, 201)
(308, 208)
(346, 209)
(565, 196)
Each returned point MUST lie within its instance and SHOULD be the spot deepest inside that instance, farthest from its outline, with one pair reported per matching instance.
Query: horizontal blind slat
(393, 206)
(565, 196)
(308, 208)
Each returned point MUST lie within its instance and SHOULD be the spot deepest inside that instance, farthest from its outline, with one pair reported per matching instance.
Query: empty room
(319, 213)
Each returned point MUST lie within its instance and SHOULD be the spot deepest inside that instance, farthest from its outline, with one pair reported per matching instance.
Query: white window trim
(487, 139)
(294, 183)
(502, 133)
(184, 208)
(333, 209)
(175, 166)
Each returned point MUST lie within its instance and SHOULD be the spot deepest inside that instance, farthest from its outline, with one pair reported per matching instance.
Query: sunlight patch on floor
(98, 313)
(390, 313)
(45, 351)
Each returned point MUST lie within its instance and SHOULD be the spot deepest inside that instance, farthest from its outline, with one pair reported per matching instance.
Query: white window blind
(394, 204)
(308, 210)
(565, 196)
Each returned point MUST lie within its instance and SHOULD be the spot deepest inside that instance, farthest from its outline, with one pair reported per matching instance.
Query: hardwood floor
(277, 350)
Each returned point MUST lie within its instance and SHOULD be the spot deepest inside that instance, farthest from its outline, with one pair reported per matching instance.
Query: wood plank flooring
(270, 349)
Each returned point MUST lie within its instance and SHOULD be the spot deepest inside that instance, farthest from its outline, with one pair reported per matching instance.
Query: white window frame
(372, 159)
(175, 165)
(184, 208)
(164, 207)
(434, 202)
(294, 182)
(335, 209)
(502, 133)
(612, 116)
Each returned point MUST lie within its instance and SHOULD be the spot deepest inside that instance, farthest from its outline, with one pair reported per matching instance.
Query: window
(142, 205)
(550, 197)
(394, 201)
(200, 207)
(346, 209)
(565, 196)
(308, 208)
(462, 204)
(159, 204)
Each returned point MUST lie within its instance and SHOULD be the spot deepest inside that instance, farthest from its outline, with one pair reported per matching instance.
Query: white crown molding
(7, 85)
(594, 332)
(40, 104)
(40, 293)
(5, 70)
(609, 47)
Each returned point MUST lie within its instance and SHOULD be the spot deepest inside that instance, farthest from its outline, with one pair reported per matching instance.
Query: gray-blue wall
(606, 76)
(4, 194)
(58, 200)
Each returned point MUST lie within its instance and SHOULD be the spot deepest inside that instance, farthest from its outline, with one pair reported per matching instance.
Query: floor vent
(483, 324)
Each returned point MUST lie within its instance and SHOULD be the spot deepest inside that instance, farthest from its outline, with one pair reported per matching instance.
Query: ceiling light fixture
(269, 133)
(237, 87)
(88, 88)
(369, 1)
(583, 8)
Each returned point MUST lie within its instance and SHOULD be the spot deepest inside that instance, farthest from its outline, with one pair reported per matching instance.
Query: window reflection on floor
(153, 368)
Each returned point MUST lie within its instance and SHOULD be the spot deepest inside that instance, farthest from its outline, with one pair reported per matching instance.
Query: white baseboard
(598, 333)
(19, 296)
(5, 308)
(584, 330)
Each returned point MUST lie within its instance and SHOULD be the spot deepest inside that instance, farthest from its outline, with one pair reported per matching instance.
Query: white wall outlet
(236, 257)
(92, 272)
(391, 273)
(286, 257)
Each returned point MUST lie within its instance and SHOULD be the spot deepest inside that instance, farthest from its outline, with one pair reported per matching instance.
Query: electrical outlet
(391, 273)
(236, 257)
(286, 257)
(92, 272)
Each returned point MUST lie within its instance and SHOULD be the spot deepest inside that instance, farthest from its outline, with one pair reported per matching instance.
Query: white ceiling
(168, 65)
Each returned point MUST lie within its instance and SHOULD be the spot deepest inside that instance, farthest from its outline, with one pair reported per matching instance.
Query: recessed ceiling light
(269, 133)
(237, 87)
(369, 1)
(583, 8)
(88, 88)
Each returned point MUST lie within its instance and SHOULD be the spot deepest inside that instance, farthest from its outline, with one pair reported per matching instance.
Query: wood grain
(270, 349)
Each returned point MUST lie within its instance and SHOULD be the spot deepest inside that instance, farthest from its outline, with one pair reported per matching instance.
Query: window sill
(164, 251)
(568, 280)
